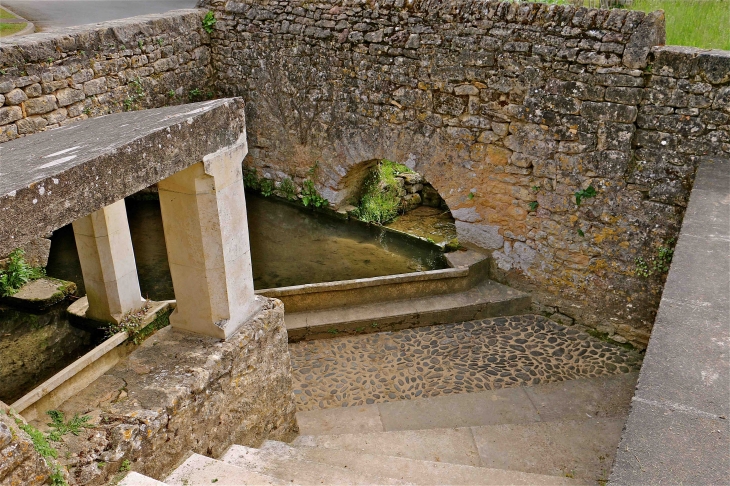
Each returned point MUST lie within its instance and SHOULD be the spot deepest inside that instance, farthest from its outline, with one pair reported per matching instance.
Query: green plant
(159, 41)
(208, 22)
(40, 442)
(657, 264)
(17, 273)
(49, 60)
(333, 331)
(287, 189)
(310, 196)
(86, 111)
(56, 477)
(380, 202)
(470, 196)
(581, 233)
(266, 186)
(61, 427)
(126, 466)
(140, 44)
(533, 205)
(586, 193)
(535, 189)
(101, 464)
(251, 179)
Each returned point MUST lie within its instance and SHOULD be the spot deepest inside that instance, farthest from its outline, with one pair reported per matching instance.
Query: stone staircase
(563, 430)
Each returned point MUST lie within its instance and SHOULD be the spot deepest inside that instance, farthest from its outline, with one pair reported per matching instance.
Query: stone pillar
(206, 233)
(107, 263)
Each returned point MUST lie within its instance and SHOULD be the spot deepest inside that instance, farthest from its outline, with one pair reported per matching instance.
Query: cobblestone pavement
(454, 358)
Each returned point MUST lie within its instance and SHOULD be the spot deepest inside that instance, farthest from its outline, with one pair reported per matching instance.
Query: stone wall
(20, 464)
(180, 392)
(508, 109)
(54, 78)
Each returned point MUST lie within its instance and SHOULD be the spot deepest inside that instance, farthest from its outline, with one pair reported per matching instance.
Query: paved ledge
(678, 430)
(52, 178)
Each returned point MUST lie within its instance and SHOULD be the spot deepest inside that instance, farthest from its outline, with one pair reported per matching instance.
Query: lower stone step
(573, 449)
(487, 299)
(292, 469)
(136, 479)
(199, 469)
(409, 470)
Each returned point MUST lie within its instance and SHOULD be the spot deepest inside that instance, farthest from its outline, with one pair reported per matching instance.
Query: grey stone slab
(508, 405)
(199, 469)
(664, 446)
(580, 448)
(455, 446)
(579, 399)
(688, 361)
(343, 420)
(50, 179)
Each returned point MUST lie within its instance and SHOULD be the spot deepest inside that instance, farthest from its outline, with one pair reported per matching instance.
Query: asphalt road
(57, 14)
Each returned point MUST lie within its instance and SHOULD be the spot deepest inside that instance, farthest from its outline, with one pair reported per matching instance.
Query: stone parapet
(54, 78)
(181, 392)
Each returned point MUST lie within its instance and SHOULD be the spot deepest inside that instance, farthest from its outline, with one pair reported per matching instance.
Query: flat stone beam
(206, 232)
(678, 431)
(50, 179)
(107, 262)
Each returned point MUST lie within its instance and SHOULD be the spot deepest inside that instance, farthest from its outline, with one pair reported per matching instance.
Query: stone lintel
(53, 178)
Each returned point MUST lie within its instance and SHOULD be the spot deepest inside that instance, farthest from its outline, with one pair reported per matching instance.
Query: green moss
(380, 201)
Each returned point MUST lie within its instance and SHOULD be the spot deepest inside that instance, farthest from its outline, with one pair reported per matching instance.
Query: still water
(289, 246)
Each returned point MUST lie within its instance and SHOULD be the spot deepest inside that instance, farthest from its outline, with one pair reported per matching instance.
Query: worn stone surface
(507, 109)
(58, 176)
(41, 293)
(180, 392)
(448, 359)
(678, 430)
(20, 464)
(142, 62)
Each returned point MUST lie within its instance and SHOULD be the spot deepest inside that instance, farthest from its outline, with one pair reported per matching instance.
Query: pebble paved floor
(454, 358)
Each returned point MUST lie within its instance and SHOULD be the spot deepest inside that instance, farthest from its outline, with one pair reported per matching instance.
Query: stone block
(15, 97)
(9, 114)
(40, 105)
(609, 112)
(95, 86)
(68, 96)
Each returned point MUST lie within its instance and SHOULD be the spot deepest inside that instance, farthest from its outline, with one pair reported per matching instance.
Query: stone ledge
(180, 392)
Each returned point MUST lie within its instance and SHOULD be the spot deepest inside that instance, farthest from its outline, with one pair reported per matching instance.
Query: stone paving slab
(448, 359)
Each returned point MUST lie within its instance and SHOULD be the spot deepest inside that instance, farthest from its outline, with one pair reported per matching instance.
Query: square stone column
(206, 233)
(107, 261)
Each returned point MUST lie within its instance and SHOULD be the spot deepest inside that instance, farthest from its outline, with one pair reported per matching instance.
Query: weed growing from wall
(657, 264)
(17, 273)
(380, 201)
(586, 193)
(287, 189)
(208, 22)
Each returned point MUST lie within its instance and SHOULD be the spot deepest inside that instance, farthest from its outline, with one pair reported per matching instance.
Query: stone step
(136, 479)
(574, 448)
(606, 396)
(410, 470)
(291, 469)
(199, 469)
(486, 299)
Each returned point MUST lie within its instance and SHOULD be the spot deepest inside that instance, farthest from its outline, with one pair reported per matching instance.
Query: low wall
(54, 78)
(508, 110)
(678, 430)
(20, 464)
(179, 392)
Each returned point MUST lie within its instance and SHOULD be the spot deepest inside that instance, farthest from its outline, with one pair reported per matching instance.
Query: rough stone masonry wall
(519, 104)
(54, 78)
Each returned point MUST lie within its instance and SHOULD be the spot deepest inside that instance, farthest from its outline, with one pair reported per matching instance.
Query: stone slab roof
(50, 179)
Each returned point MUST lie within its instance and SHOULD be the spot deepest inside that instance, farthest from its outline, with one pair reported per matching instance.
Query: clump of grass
(61, 427)
(287, 189)
(17, 273)
(380, 201)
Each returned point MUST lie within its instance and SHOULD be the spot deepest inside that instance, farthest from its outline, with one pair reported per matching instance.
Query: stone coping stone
(180, 392)
(50, 179)
(41, 294)
(678, 431)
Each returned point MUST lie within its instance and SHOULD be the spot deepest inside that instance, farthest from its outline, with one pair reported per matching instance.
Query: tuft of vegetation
(533, 205)
(131, 323)
(136, 94)
(586, 193)
(126, 466)
(61, 427)
(209, 21)
(17, 273)
(266, 186)
(657, 264)
(310, 196)
(287, 189)
(40, 442)
(380, 201)
(251, 179)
